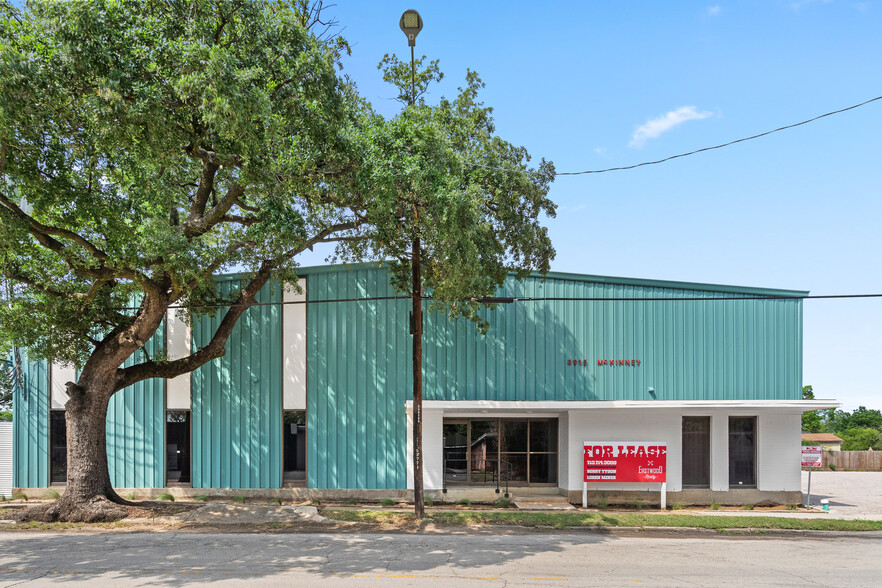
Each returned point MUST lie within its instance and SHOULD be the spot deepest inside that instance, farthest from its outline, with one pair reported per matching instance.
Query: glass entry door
(482, 452)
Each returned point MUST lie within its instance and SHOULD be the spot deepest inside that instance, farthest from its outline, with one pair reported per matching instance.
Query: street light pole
(411, 24)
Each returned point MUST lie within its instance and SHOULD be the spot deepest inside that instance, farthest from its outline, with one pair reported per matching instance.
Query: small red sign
(625, 461)
(811, 456)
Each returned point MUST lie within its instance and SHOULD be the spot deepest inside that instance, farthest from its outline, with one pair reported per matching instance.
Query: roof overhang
(565, 405)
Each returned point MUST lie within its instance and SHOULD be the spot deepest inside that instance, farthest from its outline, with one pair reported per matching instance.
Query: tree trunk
(89, 496)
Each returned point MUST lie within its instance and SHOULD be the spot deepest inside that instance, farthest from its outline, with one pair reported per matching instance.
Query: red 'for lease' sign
(625, 461)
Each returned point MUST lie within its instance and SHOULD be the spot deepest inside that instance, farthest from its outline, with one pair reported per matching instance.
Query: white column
(719, 447)
(178, 345)
(294, 348)
(433, 449)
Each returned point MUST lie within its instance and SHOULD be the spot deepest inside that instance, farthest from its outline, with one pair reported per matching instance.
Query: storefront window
(742, 452)
(696, 452)
(487, 451)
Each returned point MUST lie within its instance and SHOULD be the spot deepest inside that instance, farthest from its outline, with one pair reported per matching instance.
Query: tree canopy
(146, 146)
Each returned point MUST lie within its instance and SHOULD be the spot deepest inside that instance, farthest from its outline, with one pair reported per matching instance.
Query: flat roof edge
(670, 284)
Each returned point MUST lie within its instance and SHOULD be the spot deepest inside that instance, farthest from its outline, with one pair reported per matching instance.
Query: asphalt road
(449, 560)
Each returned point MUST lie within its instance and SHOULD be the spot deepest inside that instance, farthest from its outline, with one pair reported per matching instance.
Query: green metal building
(313, 395)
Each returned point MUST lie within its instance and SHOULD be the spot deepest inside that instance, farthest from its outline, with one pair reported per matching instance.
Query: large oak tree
(148, 146)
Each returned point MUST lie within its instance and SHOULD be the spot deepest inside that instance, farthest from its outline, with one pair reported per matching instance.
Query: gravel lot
(853, 494)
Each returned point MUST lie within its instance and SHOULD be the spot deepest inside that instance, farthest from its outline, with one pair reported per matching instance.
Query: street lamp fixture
(411, 24)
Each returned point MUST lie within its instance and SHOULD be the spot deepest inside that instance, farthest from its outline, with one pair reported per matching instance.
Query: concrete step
(543, 503)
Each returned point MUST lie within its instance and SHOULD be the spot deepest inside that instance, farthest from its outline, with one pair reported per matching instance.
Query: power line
(645, 163)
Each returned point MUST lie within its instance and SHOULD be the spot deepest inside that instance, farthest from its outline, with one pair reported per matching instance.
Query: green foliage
(811, 421)
(277, 501)
(130, 496)
(52, 495)
(602, 501)
(149, 145)
(5, 415)
(387, 502)
(861, 439)
(464, 502)
(503, 503)
(165, 496)
(840, 421)
(714, 505)
(239, 499)
(747, 507)
(19, 496)
(202, 498)
(475, 224)
(832, 467)
(428, 501)
(350, 502)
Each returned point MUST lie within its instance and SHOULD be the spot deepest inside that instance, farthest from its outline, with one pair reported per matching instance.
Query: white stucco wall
(778, 442)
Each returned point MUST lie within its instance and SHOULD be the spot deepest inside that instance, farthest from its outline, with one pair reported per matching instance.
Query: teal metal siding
(359, 356)
(690, 350)
(135, 428)
(358, 377)
(30, 423)
(237, 400)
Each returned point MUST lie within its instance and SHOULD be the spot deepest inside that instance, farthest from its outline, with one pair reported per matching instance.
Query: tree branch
(38, 229)
(214, 348)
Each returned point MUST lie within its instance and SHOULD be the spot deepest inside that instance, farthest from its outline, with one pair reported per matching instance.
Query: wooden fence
(852, 460)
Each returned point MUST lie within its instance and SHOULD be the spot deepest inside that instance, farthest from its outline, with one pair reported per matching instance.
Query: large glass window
(484, 451)
(294, 444)
(57, 447)
(742, 452)
(177, 447)
(696, 452)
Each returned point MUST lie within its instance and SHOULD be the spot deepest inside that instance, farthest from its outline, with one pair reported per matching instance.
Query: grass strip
(564, 520)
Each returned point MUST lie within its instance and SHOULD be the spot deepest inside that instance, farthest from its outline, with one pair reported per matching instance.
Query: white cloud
(656, 127)
(600, 150)
(713, 10)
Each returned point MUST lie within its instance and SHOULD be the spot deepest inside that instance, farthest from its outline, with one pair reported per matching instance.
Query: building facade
(313, 396)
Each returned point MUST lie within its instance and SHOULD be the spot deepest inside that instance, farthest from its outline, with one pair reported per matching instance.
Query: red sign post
(625, 461)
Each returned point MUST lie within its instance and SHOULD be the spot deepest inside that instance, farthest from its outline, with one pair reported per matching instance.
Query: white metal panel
(6, 459)
(178, 339)
(59, 376)
(563, 456)
(294, 348)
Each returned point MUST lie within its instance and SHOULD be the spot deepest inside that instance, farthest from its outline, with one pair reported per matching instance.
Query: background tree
(147, 146)
(442, 178)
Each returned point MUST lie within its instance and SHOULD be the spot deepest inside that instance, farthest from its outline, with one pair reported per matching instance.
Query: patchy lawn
(565, 520)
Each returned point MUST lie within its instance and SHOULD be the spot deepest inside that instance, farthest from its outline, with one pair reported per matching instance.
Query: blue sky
(592, 85)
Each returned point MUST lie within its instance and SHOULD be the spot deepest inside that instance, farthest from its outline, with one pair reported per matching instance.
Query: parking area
(851, 494)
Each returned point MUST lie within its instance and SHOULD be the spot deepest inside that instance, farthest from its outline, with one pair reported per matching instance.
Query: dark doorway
(294, 444)
(177, 447)
(57, 447)
(696, 452)
(742, 452)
